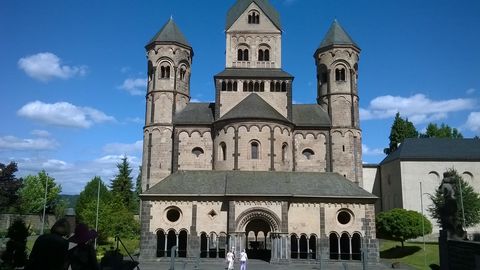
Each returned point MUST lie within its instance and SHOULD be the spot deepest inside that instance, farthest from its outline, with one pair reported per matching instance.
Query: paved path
(257, 265)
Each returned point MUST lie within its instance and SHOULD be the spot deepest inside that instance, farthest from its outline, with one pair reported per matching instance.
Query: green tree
(138, 189)
(122, 184)
(401, 130)
(33, 191)
(9, 186)
(400, 225)
(15, 254)
(471, 202)
(444, 131)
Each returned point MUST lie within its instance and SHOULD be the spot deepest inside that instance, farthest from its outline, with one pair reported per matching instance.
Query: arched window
(150, 71)
(256, 87)
(235, 86)
(240, 55)
(312, 243)
(266, 55)
(245, 55)
(203, 245)
(224, 86)
(254, 150)
(284, 152)
(197, 151)
(183, 72)
(334, 246)
(171, 241)
(303, 247)
(262, 87)
(272, 87)
(294, 246)
(356, 245)
(277, 87)
(245, 86)
(260, 55)
(160, 243)
(182, 244)
(162, 72)
(250, 87)
(345, 247)
(229, 86)
(308, 153)
(340, 74)
(253, 17)
(284, 87)
(223, 151)
(165, 71)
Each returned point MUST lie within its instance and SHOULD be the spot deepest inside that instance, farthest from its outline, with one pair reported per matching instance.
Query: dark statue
(448, 211)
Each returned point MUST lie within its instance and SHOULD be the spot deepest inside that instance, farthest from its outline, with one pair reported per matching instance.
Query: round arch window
(173, 214)
(344, 217)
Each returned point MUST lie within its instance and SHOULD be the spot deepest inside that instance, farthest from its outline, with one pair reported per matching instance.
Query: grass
(412, 254)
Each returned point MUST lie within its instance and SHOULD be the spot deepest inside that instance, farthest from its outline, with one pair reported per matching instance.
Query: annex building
(252, 170)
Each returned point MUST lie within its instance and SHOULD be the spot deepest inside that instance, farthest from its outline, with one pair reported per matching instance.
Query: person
(49, 252)
(82, 255)
(243, 260)
(230, 259)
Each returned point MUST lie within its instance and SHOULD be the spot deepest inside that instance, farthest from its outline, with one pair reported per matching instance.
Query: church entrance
(258, 241)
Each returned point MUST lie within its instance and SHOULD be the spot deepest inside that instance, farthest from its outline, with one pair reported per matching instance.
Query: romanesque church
(252, 170)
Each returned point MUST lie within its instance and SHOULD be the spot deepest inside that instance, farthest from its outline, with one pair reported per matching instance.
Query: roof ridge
(170, 32)
(241, 5)
(336, 35)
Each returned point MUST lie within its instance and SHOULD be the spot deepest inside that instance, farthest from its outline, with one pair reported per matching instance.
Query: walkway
(257, 265)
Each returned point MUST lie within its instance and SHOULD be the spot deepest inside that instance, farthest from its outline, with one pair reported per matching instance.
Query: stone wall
(463, 255)
(35, 221)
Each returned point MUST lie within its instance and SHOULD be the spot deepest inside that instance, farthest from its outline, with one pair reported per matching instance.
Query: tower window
(245, 86)
(308, 153)
(253, 17)
(284, 87)
(256, 87)
(224, 86)
(262, 87)
(229, 86)
(272, 87)
(235, 86)
(277, 87)
(284, 152)
(260, 55)
(250, 87)
(183, 72)
(242, 55)
(263, 55)
(340, 74)
(165, 72)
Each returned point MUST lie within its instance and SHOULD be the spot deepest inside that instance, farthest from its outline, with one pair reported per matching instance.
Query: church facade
(252, 170)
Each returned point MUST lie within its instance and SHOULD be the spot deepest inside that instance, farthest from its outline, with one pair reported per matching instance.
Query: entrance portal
(258, 241)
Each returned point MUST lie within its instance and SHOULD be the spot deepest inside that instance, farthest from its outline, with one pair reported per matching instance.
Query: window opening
(266, 55)
(308, 153)
(224, 86)
(284, 152)
(260, 55)
(254, 150)
(240, 55)
(340, 74)
(197, 151)
(284, 87)
(223, 151)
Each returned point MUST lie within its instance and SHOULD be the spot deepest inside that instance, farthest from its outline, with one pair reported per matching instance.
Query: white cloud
(123, 148)
(63, 114)
(74, 175)
(471, 91)
(371, 152)
(135, 87)
(46, 66)
(136, 120)
(14, 143)
(40, 133)
(473, 122)
(417, 108)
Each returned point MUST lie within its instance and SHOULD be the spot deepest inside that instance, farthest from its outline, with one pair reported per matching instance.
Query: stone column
(148, 240)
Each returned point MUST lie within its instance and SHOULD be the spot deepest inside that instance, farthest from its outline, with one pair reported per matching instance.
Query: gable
(241, 23)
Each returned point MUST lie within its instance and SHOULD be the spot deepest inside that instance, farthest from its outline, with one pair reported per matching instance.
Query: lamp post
(44, 203)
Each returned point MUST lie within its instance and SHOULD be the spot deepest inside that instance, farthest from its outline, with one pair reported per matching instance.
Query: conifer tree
(401, 130)
(122, 186)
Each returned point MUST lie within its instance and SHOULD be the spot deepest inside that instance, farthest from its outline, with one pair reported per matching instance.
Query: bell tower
(336, 60)
(169, 58)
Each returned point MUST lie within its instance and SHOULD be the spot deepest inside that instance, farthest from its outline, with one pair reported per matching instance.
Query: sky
(73, 73)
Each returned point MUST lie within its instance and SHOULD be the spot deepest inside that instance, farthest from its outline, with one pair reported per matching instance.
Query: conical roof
(170, 33)
(241, 5)
(336, 35)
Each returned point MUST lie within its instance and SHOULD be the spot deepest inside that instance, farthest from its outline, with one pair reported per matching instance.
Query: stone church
(253, 170)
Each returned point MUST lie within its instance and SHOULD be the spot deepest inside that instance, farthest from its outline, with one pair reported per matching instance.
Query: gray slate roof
(265, 184)
(336, 35)
(170, 33)
(253, 107)
(253, 73)
(241, 5)
(310, 115)
(436, 149)
(195, 114)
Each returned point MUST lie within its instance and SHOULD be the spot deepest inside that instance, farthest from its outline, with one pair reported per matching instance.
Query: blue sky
(72, 73)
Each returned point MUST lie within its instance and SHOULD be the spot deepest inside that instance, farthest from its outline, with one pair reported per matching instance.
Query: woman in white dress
(230, 259)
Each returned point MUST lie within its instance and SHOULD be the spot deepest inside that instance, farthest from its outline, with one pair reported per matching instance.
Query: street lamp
(45, 202)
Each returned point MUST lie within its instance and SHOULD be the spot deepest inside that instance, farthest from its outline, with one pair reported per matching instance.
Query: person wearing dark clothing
(49, 251)
(82, 256)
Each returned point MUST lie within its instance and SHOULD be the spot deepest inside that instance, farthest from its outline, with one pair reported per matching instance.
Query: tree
(9, 186)
(122, 184)
(138, 189)
(401, 130)
(400, 225)
(444, 131)
(471, 202)
(15, 254)
(33, 191)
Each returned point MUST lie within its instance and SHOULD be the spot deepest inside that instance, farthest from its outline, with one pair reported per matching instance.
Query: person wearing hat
(82, 254)
(49, 251)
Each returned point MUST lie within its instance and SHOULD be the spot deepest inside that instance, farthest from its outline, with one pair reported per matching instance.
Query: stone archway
(257, 226)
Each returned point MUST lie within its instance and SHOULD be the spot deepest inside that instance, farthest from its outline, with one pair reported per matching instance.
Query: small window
(324, 77)
(253, 17)
(340, 74)
(223, 151)
(262, 87)
(284, 87)
(224, 86)
(240, 55)
(277, 87)
(260, 55)
(183, 72)
(245, 55)
(256, 87)
(308, 153)
(254, 150)
(266, 55)
(245, 86)
(344, 217)
(173, 215)
(284, 152)
(229, 86)
(235, 86)
(197, 151)
(165, 72)
(272, 87)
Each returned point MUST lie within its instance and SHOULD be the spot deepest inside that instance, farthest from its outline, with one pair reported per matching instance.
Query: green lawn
(412, 254)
